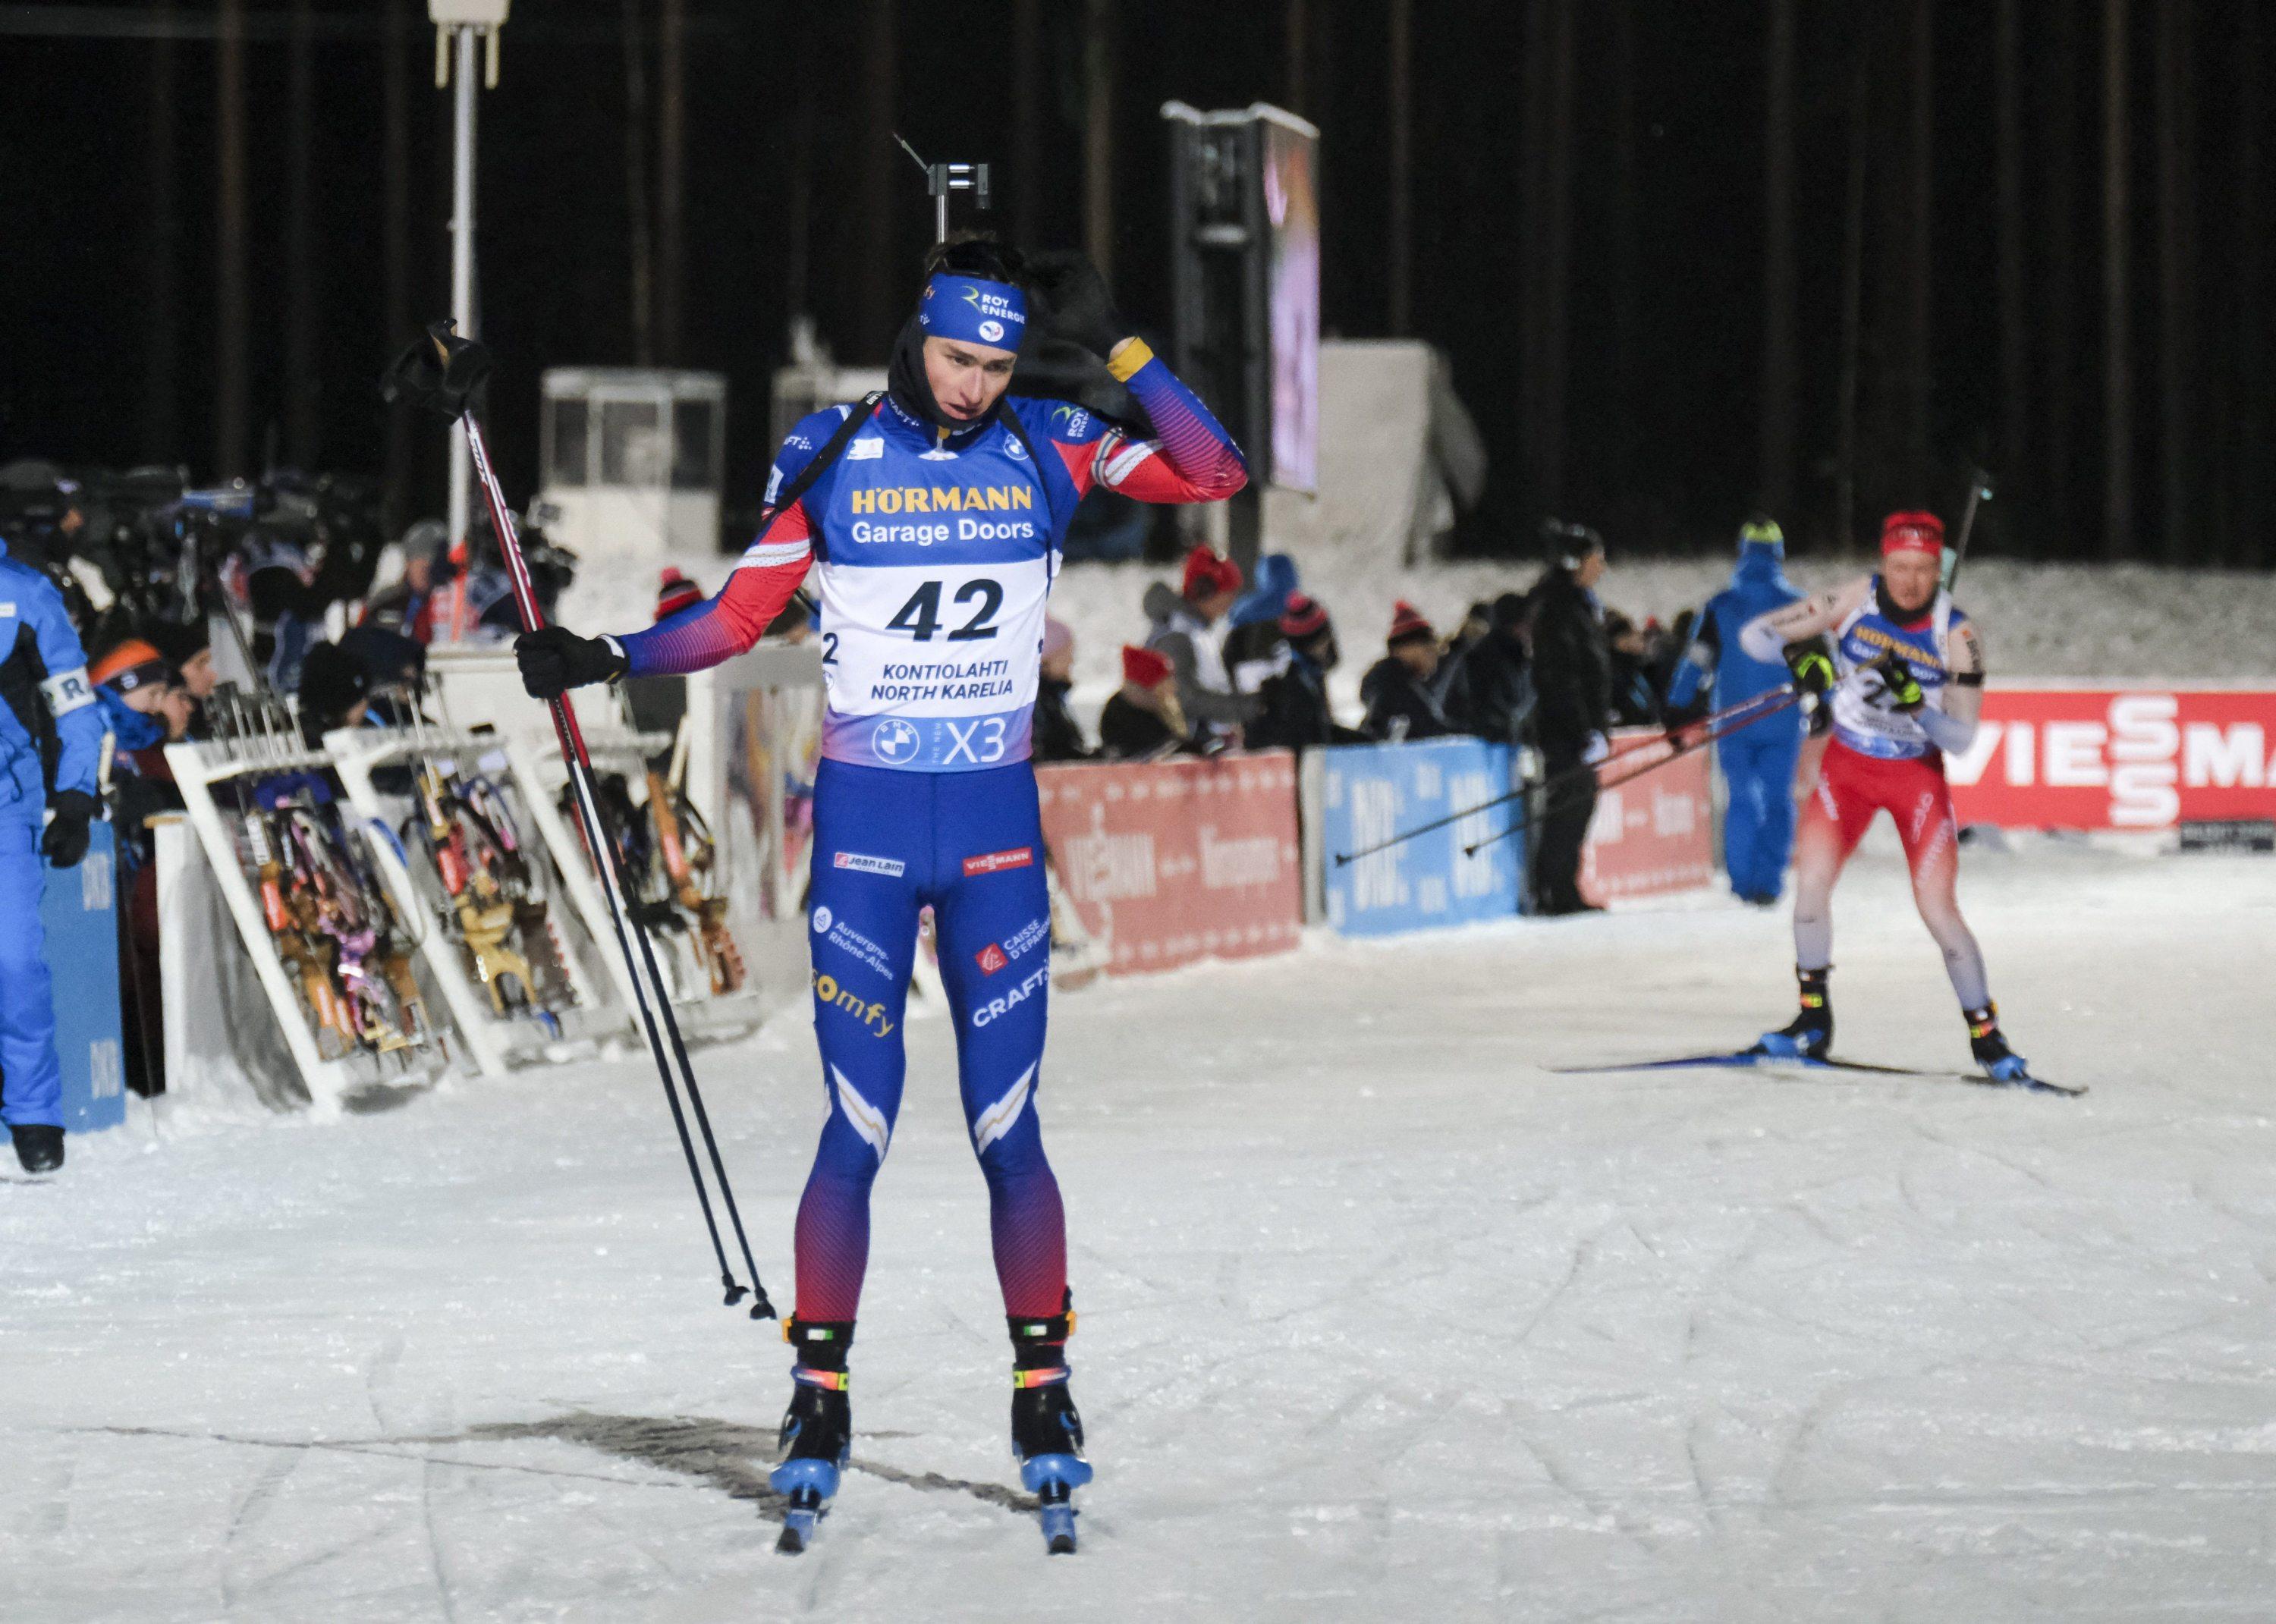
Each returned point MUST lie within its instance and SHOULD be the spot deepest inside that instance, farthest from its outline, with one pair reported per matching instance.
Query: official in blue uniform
(1758, 760)
(51, 737)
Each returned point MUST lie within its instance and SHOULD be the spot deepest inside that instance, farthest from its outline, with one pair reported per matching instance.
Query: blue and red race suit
(935, 552)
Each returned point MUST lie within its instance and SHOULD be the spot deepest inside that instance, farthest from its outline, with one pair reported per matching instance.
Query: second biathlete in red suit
(1904, 679)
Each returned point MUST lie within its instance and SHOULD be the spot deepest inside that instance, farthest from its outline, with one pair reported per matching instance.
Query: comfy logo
(2119, 760)
(827, 992)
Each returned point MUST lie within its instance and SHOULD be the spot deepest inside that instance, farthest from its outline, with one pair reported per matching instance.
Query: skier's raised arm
(1765, 637)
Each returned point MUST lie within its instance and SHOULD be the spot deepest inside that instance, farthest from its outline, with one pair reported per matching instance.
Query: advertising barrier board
(79, 912)
(2135, 756)
(1371, 792)
(1655, 833)
(1170, 861)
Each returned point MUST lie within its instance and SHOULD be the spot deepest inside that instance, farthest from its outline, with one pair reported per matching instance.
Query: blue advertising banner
(80, 913)
(1370, 793)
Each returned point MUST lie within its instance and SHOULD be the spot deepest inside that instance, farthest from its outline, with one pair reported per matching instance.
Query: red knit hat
(1912, 533)
(674, 593)
(1302, 617)
(1407, 622)
(1143, 668)
(1206, 572)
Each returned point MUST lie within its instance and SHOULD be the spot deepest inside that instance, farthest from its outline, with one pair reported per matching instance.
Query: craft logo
(991, 959)
(996, 863)
(996, 1009)
(861, 862)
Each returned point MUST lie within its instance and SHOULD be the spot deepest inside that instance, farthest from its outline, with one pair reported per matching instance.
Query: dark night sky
(1662, 442)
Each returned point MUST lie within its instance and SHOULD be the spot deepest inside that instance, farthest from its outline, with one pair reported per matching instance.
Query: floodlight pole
(460, 28)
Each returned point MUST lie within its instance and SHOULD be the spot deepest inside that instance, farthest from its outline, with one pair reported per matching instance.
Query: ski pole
(471, 363)
(1570, 775)
(1731, 724)
(1979, 491)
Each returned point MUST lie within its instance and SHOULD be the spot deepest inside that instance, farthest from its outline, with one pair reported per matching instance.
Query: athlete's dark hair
(977, 253)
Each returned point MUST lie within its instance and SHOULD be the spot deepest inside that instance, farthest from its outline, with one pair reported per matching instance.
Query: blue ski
(1753, 1058)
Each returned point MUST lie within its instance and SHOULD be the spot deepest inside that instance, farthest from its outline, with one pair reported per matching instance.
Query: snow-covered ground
(1382, 1316)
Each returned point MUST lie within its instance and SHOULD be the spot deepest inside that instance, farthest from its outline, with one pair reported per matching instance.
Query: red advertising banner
(1170, 861)
(1655, 833)
(2051, 757)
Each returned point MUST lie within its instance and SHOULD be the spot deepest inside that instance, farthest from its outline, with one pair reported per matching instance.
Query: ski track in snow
(1379, 1316)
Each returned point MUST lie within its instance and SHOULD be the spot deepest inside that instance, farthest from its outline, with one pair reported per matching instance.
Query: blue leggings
(887, 844)
(31, 1082)
(1758, 763)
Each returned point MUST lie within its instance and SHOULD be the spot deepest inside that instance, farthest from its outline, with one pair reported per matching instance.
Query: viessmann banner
(2139, 757)
(1170, 861)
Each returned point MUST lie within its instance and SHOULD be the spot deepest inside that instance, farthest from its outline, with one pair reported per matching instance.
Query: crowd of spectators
(1226, 663)
(1549, 669)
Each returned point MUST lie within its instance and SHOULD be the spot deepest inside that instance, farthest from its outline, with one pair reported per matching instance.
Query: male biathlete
(934, 522)
(1905, 675)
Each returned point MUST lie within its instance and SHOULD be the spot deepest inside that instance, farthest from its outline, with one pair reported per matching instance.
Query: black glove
(554, 659)
(1812, 667)
(1076, 300)
(65, 843)
(1897, 685)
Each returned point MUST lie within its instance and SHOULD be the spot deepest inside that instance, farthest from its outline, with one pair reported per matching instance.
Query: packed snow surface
(1383, 1316)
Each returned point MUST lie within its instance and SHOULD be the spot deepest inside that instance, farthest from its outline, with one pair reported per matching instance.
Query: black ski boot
(1986, 1042)
(38, 1147)
(1046, 1432)
(817, 1430)
(1810, 1034)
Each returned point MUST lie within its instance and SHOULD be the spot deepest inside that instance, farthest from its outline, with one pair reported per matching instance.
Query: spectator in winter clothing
(408, 605)
(1057, 735)
(188, 647)
(1401, 702)
(1490, 691)
(140, 698)
(1635, 703)
(1573, 678)
(1254, 647)
(1185, 634)
(1143, 720)
(1296, 715)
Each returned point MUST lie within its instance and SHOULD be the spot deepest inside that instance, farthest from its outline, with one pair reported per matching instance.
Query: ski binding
(1053, 1479)
(808, 1486)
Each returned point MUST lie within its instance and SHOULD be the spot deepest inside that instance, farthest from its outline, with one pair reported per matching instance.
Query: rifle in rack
(684, 842)
(491, 907)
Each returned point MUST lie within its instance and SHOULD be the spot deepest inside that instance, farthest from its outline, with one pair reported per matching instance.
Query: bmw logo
(822, 919)
(895, 741)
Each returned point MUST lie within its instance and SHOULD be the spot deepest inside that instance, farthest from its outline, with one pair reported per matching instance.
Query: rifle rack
(495, 1041)
(197, 768)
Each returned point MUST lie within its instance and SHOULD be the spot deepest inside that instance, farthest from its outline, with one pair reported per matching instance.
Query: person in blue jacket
(1758, 760)
(51, 737)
